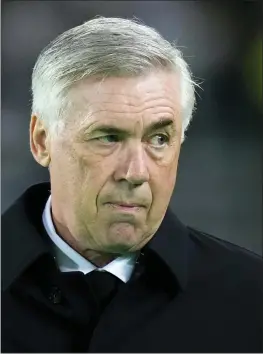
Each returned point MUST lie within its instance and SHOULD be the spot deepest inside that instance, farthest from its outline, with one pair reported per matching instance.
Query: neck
(99, 259)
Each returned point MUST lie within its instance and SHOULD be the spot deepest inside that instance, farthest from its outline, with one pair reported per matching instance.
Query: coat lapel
(160, 276)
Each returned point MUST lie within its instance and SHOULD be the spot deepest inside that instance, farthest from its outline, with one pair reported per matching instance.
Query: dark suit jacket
(190, 292)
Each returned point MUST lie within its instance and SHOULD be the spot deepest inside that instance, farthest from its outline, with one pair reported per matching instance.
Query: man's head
(111, 102)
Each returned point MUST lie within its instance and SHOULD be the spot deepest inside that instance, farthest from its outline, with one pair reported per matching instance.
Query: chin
(123, 237)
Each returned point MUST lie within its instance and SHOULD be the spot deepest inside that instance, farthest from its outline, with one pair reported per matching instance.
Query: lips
(127, 205)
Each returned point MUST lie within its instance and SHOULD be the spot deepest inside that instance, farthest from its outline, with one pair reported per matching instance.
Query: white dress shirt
(69, 260)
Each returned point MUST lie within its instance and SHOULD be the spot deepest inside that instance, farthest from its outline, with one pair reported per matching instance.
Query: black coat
(190, 292)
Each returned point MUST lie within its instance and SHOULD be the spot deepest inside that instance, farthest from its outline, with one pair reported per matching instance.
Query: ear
(39, 141)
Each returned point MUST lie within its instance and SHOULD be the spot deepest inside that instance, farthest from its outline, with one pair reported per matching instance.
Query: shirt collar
(24, 240)
(70, 260)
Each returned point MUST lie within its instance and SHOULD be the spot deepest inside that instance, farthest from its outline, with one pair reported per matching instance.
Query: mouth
(126, 206)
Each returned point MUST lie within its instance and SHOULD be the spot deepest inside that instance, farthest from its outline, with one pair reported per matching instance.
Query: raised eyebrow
(160, 124)
(111, 129)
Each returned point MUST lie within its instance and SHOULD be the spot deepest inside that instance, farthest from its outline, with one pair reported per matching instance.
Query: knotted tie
(104, 286)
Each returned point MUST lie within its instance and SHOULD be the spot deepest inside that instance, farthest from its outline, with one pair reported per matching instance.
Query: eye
(108, 139)
(159, 140)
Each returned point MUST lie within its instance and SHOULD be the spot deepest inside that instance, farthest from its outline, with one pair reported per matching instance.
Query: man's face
(113, 154)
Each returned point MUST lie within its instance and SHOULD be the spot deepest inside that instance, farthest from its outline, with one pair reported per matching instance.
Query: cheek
(163, 186)
(164, 171)
(95, 171)
(94, 175)
(163, 180)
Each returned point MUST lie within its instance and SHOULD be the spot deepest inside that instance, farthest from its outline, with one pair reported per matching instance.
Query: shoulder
(22, 240)
(29, 204)
(226, 262)
(210, 242)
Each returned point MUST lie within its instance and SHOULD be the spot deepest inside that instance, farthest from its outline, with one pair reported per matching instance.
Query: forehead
(143, 96)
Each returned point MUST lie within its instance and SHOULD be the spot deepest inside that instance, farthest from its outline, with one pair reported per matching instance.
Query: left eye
(108, 139)
(159, 140)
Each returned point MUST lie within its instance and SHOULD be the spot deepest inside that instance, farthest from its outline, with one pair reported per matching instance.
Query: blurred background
(219, 186)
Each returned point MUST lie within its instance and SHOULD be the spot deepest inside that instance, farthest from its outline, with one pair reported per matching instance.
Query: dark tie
(103, 285)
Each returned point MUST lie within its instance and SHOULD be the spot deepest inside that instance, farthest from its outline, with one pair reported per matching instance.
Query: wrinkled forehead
(155, 92)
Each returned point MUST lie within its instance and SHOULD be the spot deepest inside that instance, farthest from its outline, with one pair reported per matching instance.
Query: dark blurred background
(218, 188)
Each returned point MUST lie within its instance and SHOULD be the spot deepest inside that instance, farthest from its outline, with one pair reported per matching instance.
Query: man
(96, 261)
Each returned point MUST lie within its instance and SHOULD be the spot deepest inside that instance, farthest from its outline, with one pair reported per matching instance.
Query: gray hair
(103, 47)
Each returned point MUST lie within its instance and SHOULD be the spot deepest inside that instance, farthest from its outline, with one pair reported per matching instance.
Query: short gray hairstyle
(104, 47)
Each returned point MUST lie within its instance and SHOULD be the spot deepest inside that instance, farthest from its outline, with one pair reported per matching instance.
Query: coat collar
(171, 246)
(23, 242)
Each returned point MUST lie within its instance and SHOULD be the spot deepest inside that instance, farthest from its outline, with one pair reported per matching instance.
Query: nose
(132, 166)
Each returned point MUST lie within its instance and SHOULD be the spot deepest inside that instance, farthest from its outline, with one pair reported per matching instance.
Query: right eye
(108, 139)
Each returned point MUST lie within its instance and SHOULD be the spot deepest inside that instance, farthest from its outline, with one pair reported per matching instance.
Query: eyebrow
(111, 129)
